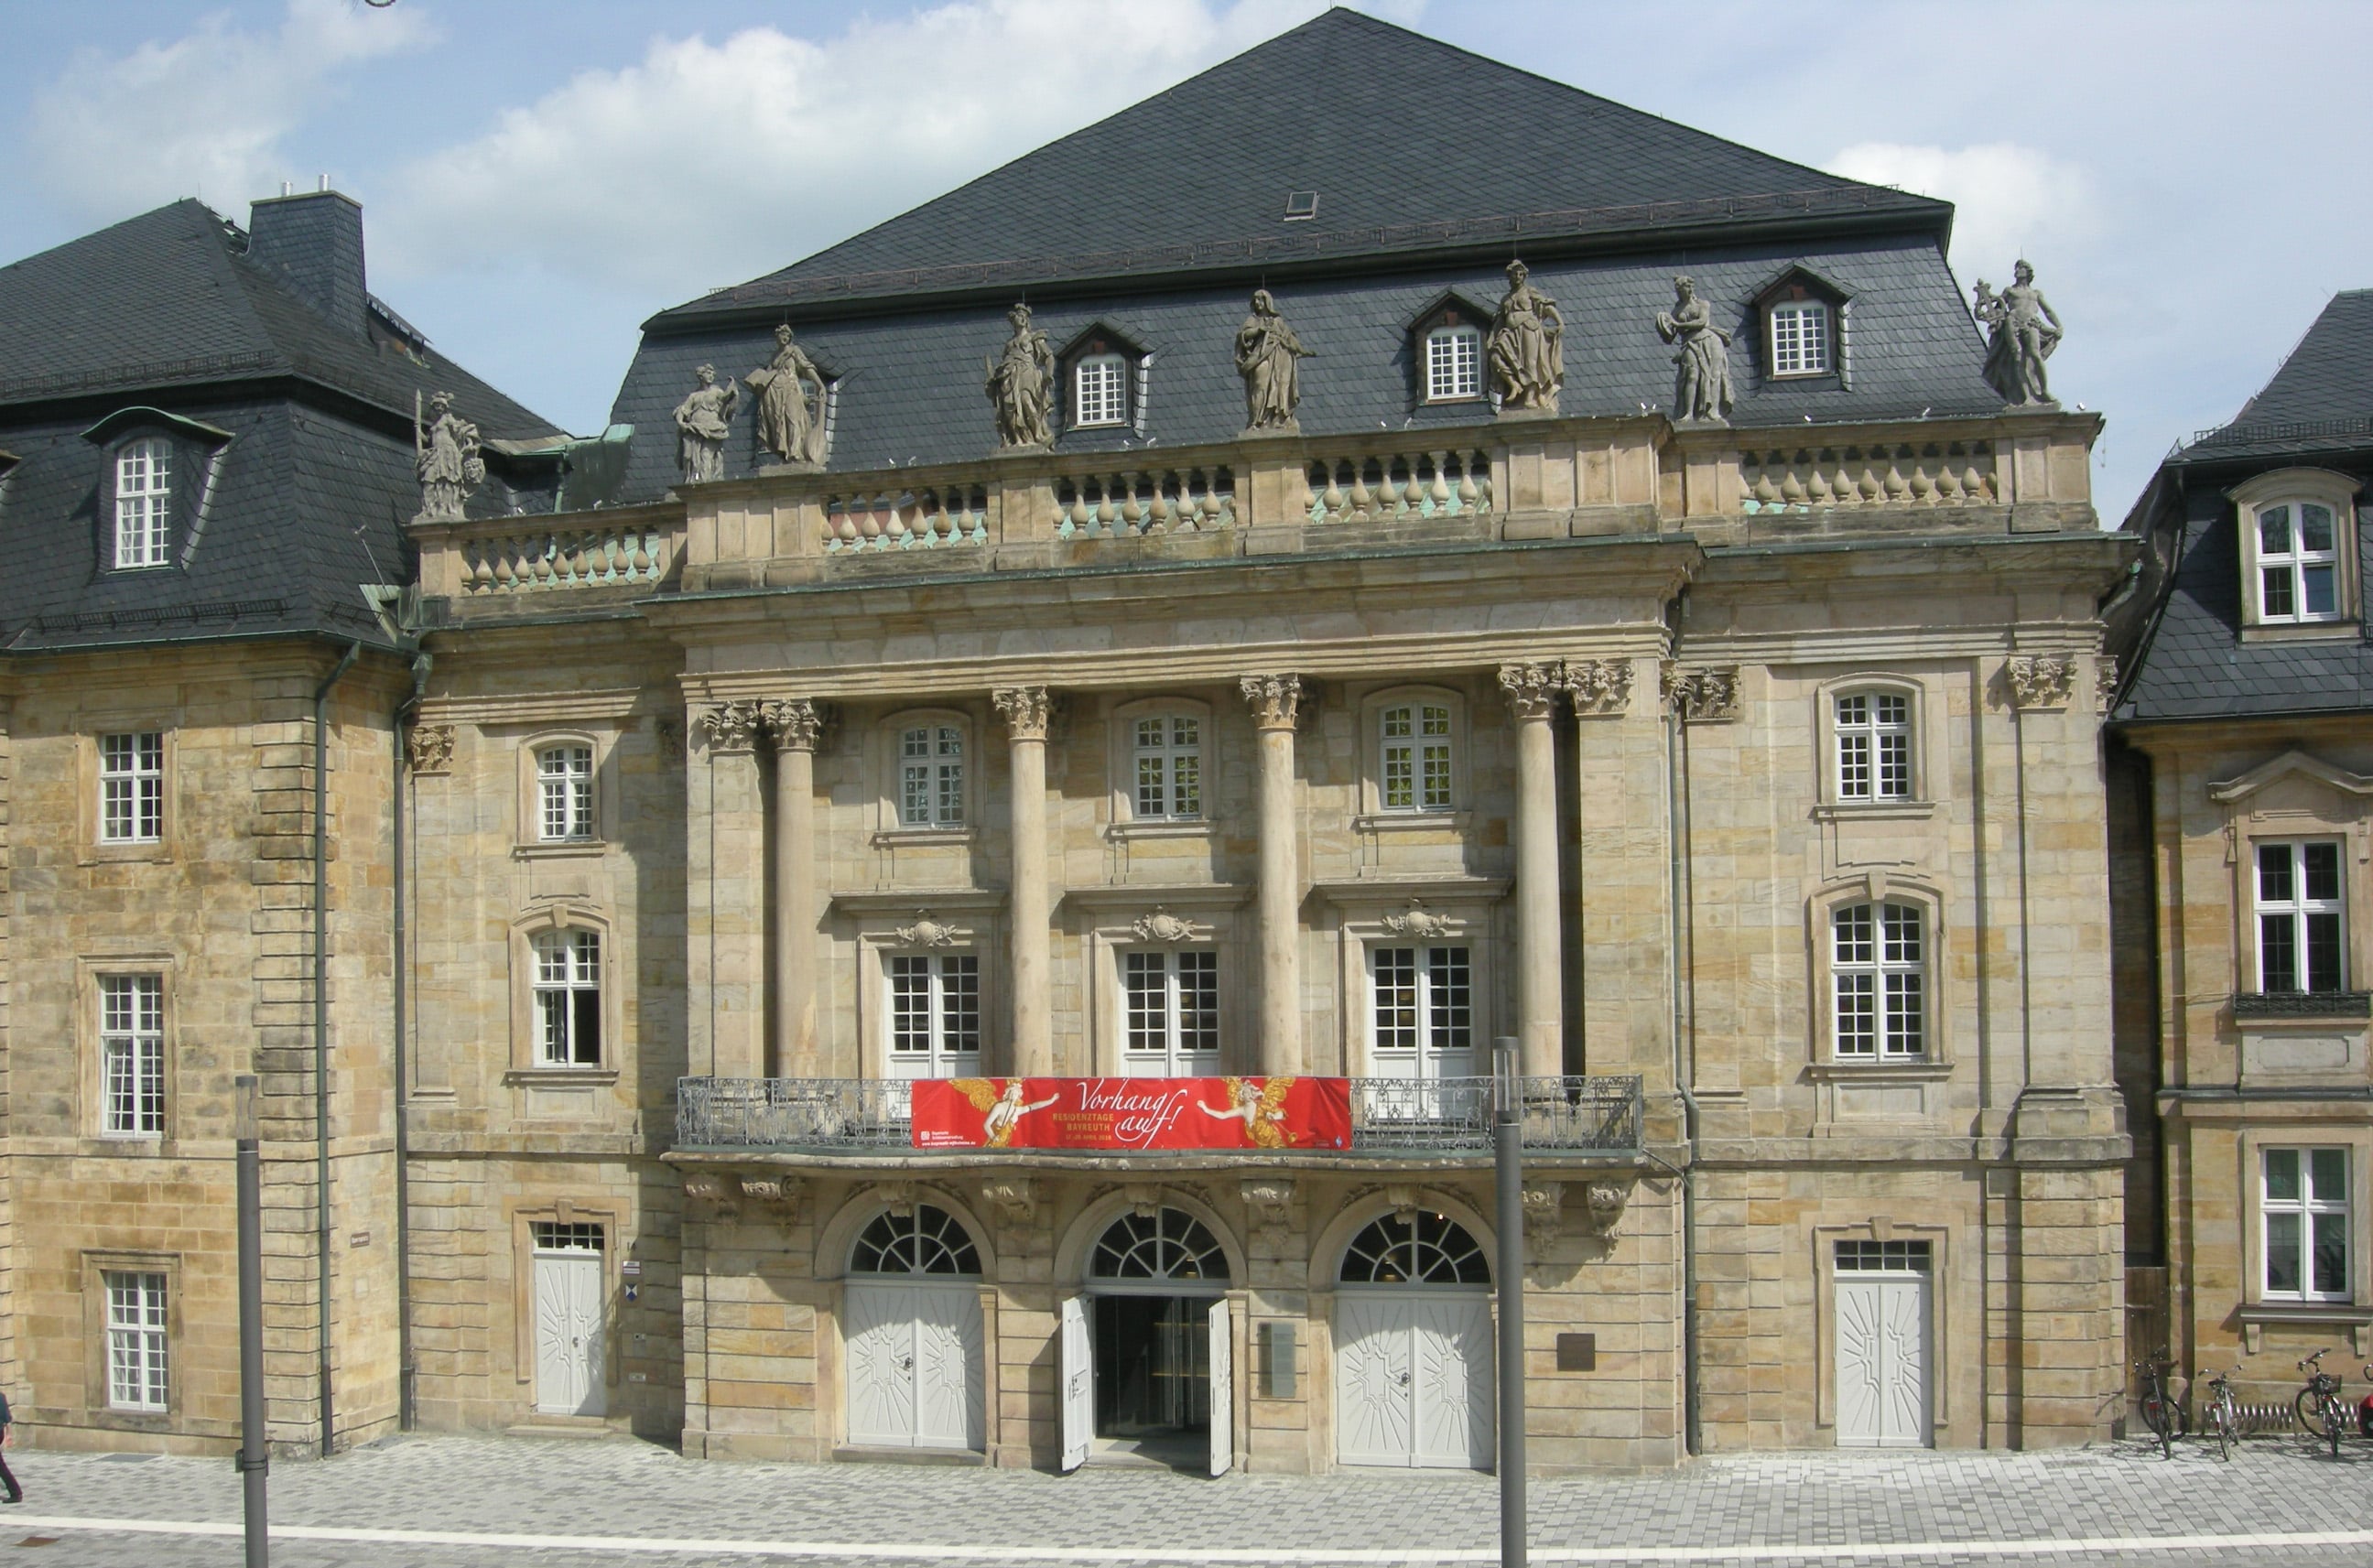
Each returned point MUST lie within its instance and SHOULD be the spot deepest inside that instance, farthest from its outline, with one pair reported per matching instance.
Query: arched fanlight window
(1166, 1245)
(1425, 1249)
(920, 1240)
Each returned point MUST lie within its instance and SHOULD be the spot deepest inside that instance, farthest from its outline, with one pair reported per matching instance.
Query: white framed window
(2299, 906)
(934, 1013)
(1878, 980)
(931, 776)
(143, 499)
(2303, 1223)
(1170, 1005)
(1453, 364)
(1873, 734)
(2298, 563)
(564, 784)
(1166, 754)
(1414, 760)
(568, 999)
(1100, 390)
(1421, 1017)
(132, 1052)
(132, 788)
(1800, 337)
(137, 1326)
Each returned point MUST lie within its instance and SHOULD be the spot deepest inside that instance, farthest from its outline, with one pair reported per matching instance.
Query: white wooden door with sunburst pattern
(1413, 1378)
(1882, 1339)
(914, 1366)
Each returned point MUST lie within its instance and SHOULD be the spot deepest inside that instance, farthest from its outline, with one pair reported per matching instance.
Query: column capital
(1276, 700)
(795, 722)
(1533, 689)
(1025, 711)
(730, 726)
(1601, 687)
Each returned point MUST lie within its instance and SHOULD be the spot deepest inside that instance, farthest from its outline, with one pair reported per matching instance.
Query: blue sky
(540, 175)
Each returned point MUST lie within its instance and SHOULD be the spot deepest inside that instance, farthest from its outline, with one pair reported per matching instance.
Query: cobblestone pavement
(450, 1501)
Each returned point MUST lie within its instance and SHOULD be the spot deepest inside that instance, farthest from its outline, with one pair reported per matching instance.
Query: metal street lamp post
(254, 1459)
(1507, 1158)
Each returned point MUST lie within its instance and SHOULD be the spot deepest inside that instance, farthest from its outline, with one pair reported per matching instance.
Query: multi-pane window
(1416, 758)
(934, 1015)
(1453, 364)
(930, 776)
(2298, 563)
(1170, 1002)
(1424, 1011)
(132, 1050)
(1892, 1257)
(1100, 390)
(136, 1379)
(144, 496)
(1878, 970)
(2298, 916)
(1800, 338)
(2303, 1206)
(1168, 752)
(564, 781)
(132, 788)
(568, 999)
(1873, 736)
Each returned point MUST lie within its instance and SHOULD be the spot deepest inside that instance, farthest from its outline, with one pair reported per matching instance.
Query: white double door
(1413, 1378)
(569, 1338)
(914, 1354)
(1882, 1339)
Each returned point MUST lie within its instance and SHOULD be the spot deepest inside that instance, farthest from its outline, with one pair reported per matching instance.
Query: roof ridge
(216, 245)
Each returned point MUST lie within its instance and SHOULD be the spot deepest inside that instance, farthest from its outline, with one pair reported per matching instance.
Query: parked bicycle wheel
(2220, 1416)
(2159, 1416)
(2308, 1406)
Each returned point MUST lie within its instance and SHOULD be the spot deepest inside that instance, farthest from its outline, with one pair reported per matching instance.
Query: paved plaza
(449, 1502)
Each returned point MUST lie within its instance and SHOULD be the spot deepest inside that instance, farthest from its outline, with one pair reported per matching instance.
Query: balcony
(1390, 1117)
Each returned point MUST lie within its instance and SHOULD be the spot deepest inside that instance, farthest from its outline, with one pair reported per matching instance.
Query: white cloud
(2008, 200)
(205, 114)
(707, 163)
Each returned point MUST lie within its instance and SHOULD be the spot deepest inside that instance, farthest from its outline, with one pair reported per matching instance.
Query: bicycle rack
(2253, 1418)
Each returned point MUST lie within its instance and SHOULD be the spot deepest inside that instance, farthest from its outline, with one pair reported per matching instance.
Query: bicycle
(2220, 1415)
(2161, 1414)
(2318, 1405)
(2364, 1406)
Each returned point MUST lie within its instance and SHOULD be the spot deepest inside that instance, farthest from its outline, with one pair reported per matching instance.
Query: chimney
(314, 243)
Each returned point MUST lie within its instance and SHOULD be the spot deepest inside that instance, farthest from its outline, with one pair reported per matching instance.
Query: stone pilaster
(793, 724)
(1532, 691)
(1275, 703)
(726, 859)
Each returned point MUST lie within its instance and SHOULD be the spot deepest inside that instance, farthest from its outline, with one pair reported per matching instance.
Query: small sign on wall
(1577, 1352)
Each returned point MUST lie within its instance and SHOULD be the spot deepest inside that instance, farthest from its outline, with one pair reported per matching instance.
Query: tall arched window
(1413, 761)
(1878, 975)
(144, 497)
(1166, 752)
(920, 1240)
(564, 780)
(1421, 1249)
(931, 775)
(1873, 745)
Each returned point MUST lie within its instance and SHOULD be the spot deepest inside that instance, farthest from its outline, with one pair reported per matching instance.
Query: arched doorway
(1413, 1374)
(1148, 1352)
(911, 1323)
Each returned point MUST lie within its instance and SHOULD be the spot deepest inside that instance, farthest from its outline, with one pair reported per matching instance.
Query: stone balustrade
(518, 555)
(1953, 473)
(923, 517)
(1394, 486)
(1149, 502)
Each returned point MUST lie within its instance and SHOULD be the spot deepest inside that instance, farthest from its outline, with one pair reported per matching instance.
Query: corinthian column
(1277, 705)
(1540, 1003)
(726, 849)
(1024, 711)
(794, 724)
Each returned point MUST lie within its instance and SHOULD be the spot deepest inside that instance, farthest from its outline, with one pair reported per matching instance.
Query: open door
(1224, 1389)
(1077, 1366)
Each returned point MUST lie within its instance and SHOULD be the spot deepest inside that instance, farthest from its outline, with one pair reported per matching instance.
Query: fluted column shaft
(1024, 709)
(794, 725)
(1533, 691)
(1277, 703)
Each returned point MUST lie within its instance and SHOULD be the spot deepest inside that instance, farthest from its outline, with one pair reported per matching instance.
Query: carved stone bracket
(1014, 1199)
(928, 932)
(1270, 1201)
(1276, 700)
(703, 1185)
(1601, 687)
(1144, 1199)
(428, 748)
(730, 726)
(1607, 1199)
(1419, 920)
(2104, 681)
(1025, 711)
(2040, 679)
(1702, 696)
(1164, 926)
(1544, 1217)
(795, 723)
(782, 1193)
(1403, 1197)
(1532, 688)
(896, 1196)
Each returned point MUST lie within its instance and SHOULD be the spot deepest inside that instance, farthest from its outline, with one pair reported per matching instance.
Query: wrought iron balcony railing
(1389, 1115)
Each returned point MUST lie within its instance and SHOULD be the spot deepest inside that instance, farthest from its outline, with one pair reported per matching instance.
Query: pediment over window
(125, 420)
(2291, 764)
(1799, 281)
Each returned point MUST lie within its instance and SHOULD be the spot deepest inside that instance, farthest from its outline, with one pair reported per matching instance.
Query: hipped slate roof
(2322, 398)
(1411, 144)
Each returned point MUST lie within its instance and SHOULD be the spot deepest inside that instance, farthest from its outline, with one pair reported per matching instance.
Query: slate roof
(1411, 144)
(2322, 398)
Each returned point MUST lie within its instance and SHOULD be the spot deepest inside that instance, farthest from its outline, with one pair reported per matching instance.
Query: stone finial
(1162, 926)
(730, 726)
(1703, 695)
(702, 422)
(446, 458)
(2021, 333)
(1025, 711)
(1021, 386)
(1269, 357)
(1420, 921)
(1601, 687)
(1700, 357)
(1532, 688)
(1276, 700)
(2040, 679)
(794, 723)
(927, 932)
(1527, 347)
(428, 748)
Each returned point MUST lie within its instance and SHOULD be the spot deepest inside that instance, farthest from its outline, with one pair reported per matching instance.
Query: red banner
(1133, 1113)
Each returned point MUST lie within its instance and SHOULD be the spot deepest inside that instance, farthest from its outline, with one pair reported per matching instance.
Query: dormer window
(2298, 563)
(2298, 557)
(144, 496)
(1100, 390)
(1800, 338)
(1453, 363)
(1800, 327)
(1104, 373)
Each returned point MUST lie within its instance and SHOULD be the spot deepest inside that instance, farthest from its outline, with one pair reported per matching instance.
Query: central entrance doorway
(1148, 1373)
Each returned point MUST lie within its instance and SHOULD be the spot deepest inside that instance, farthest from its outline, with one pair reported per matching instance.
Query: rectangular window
(1102, 398)
(930, 776)
(1416, 760)
(2303, 1208)
(144, 493)
(1171, 1003)
(1878, 975)
(565, 790)
(579, 1235)
(568, 999)
(1893, 1257)
(132, 788)
(2299, 917)
(132, 1046)
(1169, 755)
(136, 1340)
(1424, 1011)
(1453, 364)
(2298, 563)
(1874, 738)
(934, 1015)
(1800, 338)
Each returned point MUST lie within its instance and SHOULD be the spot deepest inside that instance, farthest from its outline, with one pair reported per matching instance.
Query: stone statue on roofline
(2021, 333)
(1269, 357)
(702, 420)
(1701, 376)
(1527, 347)
(790, 404)
(446, 457)
(1021, 386)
